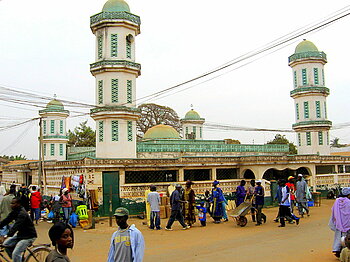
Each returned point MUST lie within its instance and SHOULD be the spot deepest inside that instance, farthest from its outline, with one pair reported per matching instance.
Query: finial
(191, 106)
(54, 96)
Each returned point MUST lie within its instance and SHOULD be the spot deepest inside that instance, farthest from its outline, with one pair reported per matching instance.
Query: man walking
(35, 201)
(153, 199)
(259, 202)
(176, 213)
(15, 245)
(5, 210)
(23, 195)
(284, 205)
(301, 193)
(127, 243)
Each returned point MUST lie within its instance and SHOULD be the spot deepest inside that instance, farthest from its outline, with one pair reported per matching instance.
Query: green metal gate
(110, 192)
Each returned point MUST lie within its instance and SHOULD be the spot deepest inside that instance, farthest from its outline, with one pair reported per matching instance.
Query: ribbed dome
(161, 132)
(55, 104)
(192, 115)
(116, 6)
(306, 46)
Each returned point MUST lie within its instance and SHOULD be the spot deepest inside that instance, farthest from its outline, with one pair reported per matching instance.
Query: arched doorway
(249, 174)
(303, 170)
(274, 174)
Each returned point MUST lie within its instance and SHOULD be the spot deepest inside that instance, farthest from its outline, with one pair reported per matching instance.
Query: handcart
(241, 211)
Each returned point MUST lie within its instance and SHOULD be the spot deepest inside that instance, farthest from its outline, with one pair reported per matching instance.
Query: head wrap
(216, 182)
(345, 191)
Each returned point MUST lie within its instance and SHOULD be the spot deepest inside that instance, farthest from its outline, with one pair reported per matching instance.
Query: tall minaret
(309, 94)
(115, 71)
(55, 137)
(192, 125)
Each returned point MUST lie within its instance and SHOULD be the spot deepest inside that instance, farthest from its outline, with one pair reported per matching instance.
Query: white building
(309, 94)
(192, 125)
(54, 131)
(115, 71)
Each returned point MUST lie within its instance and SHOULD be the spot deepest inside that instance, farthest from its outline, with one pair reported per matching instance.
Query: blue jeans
(5, 230)
(35, 213)
(15, 247)
(155, 219)
(67, 211)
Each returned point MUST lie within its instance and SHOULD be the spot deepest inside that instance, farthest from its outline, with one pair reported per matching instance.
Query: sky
(46, 47)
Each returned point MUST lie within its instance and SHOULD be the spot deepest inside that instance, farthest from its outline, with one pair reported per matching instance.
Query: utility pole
(40, 167)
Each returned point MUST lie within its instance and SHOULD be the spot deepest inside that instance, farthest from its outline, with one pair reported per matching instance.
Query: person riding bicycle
(26, 233)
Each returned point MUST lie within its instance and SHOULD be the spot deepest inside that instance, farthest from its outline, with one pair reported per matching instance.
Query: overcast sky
(47, 46)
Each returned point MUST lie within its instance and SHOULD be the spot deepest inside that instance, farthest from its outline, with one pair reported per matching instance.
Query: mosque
(121, 168)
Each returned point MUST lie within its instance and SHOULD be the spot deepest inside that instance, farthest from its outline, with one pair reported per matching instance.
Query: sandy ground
(310, 241)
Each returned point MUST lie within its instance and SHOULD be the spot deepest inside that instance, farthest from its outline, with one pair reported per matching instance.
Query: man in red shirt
(35, 201)
(292, 189)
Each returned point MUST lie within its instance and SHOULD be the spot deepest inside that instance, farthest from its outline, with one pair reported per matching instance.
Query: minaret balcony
(308, 55)
(115, 112)
(104, 17)
(313, 124)
(115, 65)
(309, 90)
(55, 136)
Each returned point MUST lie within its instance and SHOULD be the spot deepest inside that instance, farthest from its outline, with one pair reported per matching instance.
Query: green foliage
(82, 136)
(281, 139)
(335, 143)
(232, 141)
(12, 158)
(153, 114)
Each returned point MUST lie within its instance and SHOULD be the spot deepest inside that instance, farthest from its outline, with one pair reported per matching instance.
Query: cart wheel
(243, 221)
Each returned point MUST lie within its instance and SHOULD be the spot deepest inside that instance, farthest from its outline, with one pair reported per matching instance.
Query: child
(345, 253)
(202, 214)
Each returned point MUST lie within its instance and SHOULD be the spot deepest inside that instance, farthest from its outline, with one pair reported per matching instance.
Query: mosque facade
(121, 168)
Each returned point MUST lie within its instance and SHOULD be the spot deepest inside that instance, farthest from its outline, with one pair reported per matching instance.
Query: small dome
(305, 46)
(116, 6)
(55, 104)
(192, 115)
(161, 132)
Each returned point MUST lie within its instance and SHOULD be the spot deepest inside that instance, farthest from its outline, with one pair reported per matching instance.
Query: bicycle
(37, 253)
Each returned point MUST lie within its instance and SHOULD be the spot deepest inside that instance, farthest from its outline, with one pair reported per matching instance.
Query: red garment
(292, 189)
(35, 199)
(66, 200)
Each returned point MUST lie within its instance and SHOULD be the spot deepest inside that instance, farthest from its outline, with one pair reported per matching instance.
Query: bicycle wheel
(37, 254)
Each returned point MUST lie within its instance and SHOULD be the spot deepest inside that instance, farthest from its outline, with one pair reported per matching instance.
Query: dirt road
(310, 241)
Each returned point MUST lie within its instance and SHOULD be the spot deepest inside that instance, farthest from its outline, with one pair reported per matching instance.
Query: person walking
(240, 193)
(24, 194)
(15, 245)
(35, 201)
(290, 184)
(217, 198)
(66, 203)
(176, 213)
(153, 199)
(189, 198)
(250, 194)
(62, 238)
(340, 219)
(127, 243)
(301, 196)
(202, 214)
(5, 210)
(284, 205)
(259, 194)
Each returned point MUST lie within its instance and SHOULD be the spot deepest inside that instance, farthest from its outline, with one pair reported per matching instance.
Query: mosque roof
(55, 104)
(305, 46)
(161, 132)
(116, 6)
(192, 115)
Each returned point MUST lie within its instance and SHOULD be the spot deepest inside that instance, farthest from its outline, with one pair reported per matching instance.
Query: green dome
(116, 6)
(305, 46)
(192, 115)
(161, 132)
(55, 104)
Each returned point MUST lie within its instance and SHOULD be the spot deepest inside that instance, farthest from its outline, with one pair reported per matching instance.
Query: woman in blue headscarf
(217, 198)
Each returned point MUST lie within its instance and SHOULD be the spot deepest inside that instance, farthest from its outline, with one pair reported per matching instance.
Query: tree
(335, 143)
(153, 114)
(281, 139)
(12, 158)
(82, 135)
